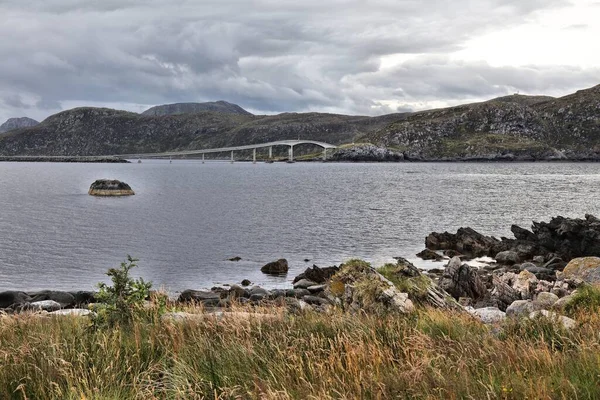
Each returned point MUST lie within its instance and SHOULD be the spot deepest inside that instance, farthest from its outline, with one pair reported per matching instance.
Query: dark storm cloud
(270, 56)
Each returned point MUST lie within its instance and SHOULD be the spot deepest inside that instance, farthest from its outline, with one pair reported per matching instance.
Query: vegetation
(428, 355)
(585, 300)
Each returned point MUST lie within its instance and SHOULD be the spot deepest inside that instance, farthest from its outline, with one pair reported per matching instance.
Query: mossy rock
(585, 268)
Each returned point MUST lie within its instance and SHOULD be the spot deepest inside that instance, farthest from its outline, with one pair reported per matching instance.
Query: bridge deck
(290, 143)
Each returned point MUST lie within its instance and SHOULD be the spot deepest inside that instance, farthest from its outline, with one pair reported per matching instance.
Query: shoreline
(64, 159)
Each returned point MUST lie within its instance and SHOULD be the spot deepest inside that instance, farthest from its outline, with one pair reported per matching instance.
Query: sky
(270, 56)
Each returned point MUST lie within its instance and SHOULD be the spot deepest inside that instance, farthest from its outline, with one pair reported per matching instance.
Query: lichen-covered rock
(546, 300)
(108, 187)
(488, 315)
(359, 287)
(585, 268)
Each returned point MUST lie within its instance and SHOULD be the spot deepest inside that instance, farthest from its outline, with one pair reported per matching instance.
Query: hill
(192, 108)
(511, 128)
(17, 123)
(508, 128)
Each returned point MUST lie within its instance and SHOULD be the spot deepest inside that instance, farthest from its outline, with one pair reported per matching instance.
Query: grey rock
(304, 284)
(317, 274)
(73, 312)
(489, 315)
(315, 300)
(258, 290)
(316, 288)
(65, 299)
(297, 293)
(566, 322)
(276, 267)
(546, 300)
(13, 298)
(45, 305)
(507, 257)
(460, 280)
(195, 108)
(521, 308)
(198, 296)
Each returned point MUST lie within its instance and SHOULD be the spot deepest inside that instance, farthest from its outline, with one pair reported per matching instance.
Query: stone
(190, 295)
(460, 280)
(566, 322)
(72, 312)
(538, 259)
(276, 267)
(45, 305)
(83, 297)
(585, 268)
(539, 272)
(317, 274)
(258, 290)
(237, 292)
(466, 241)
(13, 298)
(246, 282)
(430, 255)
(521, 308)
(304, 284)
(546, 300)
(358, 287)
(561, 303)
(489, 315)
(297, 293)
(65, 299)
(235, 259)
(108, 187)
(524, 283)
(316, 288)
(315, 300)
(507, 257)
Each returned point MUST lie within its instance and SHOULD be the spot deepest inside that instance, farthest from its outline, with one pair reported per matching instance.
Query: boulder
(461, 280)
(304, 284)
(546, 300)
(13, 299)
(489, 315)
(246, 282)
(466, 241)
(199, 296)
(315, 300)
(297, 293)
(72, 312)
(566, 322)
(525, 283)
(586, 268)
(430, 255)
(82, 297)
(276, 267)
(539, 272)
(317, 274)
(45, 305)
(65, 299)
(507, 257)
(522, 308)
(108, 187)
(316, 288)
(359, 287)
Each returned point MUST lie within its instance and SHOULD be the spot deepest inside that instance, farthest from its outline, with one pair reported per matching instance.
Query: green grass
(427, 355)
(488, 143)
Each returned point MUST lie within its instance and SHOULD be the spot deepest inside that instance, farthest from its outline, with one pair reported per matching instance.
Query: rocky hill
(100, 131)
(192, 108)
(16, 123)
(508, 128)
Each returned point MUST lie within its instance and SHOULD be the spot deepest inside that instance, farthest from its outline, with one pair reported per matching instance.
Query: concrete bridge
(253, 147)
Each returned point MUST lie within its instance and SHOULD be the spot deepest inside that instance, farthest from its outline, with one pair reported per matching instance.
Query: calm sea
(188, 218)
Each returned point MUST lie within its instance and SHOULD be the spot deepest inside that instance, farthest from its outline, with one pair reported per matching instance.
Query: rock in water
(107, 187)
(276, 267)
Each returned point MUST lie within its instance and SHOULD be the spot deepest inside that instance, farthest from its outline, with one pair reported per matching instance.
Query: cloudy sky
(270, 56)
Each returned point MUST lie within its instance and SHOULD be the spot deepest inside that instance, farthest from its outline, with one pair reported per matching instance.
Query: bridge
(253, 147)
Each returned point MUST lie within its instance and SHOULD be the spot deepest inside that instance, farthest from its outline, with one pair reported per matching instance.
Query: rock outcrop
(586, 269)
(107, 187)
(557, 241)
(192, 108)
(366, 152)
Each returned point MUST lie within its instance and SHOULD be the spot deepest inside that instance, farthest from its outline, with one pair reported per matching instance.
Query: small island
(108, 187)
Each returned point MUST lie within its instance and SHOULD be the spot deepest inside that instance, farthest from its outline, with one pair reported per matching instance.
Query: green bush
(124, 300)
(586, 299)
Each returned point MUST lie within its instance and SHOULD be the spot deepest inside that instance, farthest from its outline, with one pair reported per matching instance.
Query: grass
(427, 355)
(489, 143)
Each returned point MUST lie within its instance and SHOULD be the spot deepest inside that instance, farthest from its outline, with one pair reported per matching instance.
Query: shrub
(586, 299)
(124, 300)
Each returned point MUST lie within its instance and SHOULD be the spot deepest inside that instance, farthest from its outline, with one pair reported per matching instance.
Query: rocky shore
(536, 273)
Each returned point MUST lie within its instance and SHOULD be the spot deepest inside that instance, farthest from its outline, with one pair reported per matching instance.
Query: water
(188, 218)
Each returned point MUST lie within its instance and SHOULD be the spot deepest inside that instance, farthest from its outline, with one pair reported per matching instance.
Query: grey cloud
(267, 55)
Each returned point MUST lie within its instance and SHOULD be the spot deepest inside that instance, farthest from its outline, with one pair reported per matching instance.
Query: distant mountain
(17, 123)
(508, 128)
(193, 108)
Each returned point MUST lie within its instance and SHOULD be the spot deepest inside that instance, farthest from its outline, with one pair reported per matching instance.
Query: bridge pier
(232, 156)
(253, 156)
(270, 152)
(202, 158)
(291, 154)
(324, 154)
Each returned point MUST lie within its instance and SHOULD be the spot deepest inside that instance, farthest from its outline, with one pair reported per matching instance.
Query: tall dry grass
(428, 355)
